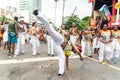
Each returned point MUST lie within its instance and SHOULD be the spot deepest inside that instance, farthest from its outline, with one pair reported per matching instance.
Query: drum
(42, 38)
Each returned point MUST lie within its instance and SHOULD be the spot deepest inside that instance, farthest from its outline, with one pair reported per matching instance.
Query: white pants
(86, 47)
(116, 52)
(108, 49)
(50, 45)
(5, 36)
(95, 44)
(58, 40)
(20, 44)
(61, 57)
(35, 44)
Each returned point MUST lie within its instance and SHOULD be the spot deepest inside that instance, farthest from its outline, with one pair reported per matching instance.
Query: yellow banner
(117, 5)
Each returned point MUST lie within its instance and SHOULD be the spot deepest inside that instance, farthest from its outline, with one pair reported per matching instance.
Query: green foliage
(80, 23)
(84, 22)
(3, 18)
(70, 19)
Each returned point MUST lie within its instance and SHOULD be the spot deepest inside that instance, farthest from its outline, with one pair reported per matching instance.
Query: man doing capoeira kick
(58, 40)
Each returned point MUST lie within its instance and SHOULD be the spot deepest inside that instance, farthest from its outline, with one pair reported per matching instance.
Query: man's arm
(16, 29)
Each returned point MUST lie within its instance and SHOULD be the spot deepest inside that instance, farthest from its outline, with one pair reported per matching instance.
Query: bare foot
(69, 69)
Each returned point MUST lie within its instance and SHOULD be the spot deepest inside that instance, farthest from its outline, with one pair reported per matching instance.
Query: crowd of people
(104, 41)
(14, 35)
(101, 40)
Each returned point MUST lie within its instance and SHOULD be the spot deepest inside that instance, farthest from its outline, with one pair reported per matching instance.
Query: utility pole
(63, 11)
(93, 5)
(74, 10)
(55, 11)
(117, 16)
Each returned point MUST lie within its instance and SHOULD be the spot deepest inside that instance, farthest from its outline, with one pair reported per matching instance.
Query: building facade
(27, 7)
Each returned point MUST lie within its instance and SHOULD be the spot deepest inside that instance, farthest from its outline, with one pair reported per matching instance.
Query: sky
(13, 3)
(83, 9)
(48, 8)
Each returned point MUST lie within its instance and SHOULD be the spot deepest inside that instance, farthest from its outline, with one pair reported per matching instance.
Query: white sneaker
(15, 55)
(23, 52)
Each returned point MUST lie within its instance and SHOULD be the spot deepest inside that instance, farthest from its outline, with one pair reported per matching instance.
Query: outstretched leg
(58, 40)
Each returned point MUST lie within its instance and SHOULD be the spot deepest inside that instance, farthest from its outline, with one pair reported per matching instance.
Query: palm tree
(55, 11)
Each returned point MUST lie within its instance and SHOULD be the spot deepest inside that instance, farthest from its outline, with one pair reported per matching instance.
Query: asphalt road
(42, 67)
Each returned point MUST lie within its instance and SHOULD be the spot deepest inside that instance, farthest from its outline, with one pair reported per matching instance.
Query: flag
(104, 9)
(89, 1)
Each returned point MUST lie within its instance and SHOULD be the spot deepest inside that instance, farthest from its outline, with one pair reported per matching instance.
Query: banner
(104, 9)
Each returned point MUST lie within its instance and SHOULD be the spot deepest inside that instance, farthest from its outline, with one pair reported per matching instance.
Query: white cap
(21, 19)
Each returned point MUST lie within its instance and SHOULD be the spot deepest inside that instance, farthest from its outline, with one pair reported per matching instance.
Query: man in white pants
(21, 38)
(50, 45)
(58, 41)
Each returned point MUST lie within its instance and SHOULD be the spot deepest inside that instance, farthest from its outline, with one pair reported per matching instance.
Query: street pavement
(43, 67)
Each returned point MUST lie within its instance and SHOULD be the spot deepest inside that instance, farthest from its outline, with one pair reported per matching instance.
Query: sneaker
(115, 61)
(52, 55)
(60, 75)
(112, 59)
(90, 56)
(38, 52)
(35, 12)
(9, 51)
(48, 54)
(23, 52)
(15, 56)
(4, 47)
(81, 59)
(34, 55)
(10, 55)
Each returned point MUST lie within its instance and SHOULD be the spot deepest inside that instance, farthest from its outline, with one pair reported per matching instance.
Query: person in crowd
(69, 46)
(43, 34)
(50, 45)
(79, 48)
(74, 33)
(67, 51)
(12, 35)
(58, 41)
(80, 35)
(86, 42)
(1, 34)
(116, 36)
(95, 41)
(62, 30)
(34, 32)
(22, 30)
(5, 35)
(105, 43)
